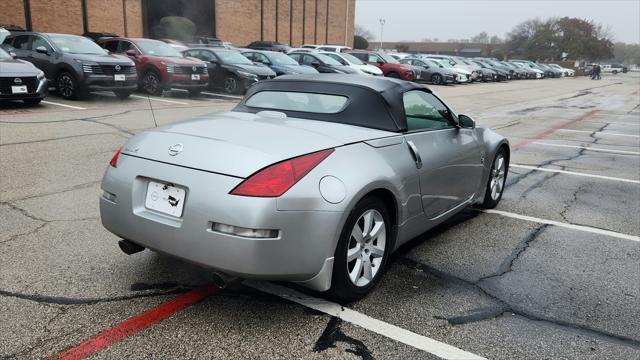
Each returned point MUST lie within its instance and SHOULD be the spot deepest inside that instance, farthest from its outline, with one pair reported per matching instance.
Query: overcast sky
(419, 19)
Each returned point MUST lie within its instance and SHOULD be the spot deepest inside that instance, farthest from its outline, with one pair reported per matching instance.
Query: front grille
(7, 82)
(108, 69)
(175, 69)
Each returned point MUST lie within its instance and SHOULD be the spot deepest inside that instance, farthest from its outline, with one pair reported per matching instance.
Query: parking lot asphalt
(553, 273)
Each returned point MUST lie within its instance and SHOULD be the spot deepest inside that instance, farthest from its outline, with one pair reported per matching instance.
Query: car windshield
(327, 60)
(298, 101)
(158, 48)
(389, 59)
(281, 59)
(4, 55)
(232, 57)
(352, 59)
(76, 45)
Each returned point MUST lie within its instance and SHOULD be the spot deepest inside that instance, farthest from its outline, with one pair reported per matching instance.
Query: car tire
(394, 75)
(123, 94)
(497, 179)
(67, 86)
(436, 79)
(230, 84)
(194, 92)
(31, 102)
(615, 72)
(151, 83)
(353, 279)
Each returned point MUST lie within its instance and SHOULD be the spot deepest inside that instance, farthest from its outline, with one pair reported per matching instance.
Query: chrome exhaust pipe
(129, 247)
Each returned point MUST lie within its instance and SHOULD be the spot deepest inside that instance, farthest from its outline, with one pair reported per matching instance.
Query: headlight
(40, 75)
(246, 74)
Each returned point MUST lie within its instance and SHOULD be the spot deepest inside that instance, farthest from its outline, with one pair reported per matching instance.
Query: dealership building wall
(238, 21)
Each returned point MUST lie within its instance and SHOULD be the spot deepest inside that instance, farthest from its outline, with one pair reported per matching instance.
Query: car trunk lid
(239, 144)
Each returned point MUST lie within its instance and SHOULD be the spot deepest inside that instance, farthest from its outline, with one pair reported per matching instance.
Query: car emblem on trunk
(175, 149)
(118, 68)
(17, 81)
(194, 68)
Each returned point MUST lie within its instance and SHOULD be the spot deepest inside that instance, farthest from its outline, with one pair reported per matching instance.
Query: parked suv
(21, 80)
(390, 66)
(74, 64)
(270, 46)
(161, 67)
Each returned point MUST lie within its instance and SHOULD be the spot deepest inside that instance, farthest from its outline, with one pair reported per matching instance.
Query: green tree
(359, 42)
(175, 27)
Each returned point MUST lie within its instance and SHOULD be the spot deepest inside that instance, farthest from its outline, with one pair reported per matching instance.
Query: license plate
(165, 198)
(118, 77)
(195, 77)
(19, 89)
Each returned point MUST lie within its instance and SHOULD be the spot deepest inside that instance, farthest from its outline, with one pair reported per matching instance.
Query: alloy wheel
(497, 177)
(66, 85)
(230, 85)
(151, 83)
(366, 248)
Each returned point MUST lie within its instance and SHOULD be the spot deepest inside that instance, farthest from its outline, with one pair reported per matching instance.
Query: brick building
(238, 21)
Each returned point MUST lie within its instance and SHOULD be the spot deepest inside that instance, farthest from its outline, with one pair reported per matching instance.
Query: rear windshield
(298, 101)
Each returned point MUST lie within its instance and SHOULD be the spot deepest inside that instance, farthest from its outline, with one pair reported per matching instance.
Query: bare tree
(361, 31)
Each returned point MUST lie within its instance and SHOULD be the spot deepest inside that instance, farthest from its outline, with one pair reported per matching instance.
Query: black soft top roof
(374, 102)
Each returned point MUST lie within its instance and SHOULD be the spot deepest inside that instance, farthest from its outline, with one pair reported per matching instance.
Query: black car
(95, 36)
(206, 41)
(269, 45)
(229, 70)
(21, 80)
(278, 62)
(322, 63)
(75, 64)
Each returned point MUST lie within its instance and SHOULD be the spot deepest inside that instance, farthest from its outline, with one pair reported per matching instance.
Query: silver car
(310, 179)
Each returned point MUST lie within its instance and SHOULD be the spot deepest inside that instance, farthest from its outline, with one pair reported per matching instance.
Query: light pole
(382, 22)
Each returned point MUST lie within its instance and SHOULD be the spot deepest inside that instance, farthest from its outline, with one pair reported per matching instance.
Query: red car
(390, 66)
(160, 66)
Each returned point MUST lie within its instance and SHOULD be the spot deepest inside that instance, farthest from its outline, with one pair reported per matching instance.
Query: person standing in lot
(598, 70)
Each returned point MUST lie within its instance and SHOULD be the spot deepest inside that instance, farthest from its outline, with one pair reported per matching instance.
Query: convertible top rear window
(298, 101)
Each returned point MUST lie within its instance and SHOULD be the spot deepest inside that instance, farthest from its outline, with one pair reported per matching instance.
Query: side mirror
(380, 62)
(315, 64)
(131, 53)
(13, 54)
(42, 50)
(466, 121)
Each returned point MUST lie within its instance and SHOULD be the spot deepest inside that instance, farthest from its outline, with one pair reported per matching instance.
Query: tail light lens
(114, 159)
(276, 179)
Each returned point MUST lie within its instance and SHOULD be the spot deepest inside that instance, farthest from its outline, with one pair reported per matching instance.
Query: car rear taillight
(114, 159)
(276, 179)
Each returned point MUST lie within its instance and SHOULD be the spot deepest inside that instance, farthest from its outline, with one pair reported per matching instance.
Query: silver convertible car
(309, 179)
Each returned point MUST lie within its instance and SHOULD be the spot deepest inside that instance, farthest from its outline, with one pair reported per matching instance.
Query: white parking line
(536, 168)
(564, 225)
(63, 105)
(161, 100)
(404, 336)
(599, 133)
(589, 148)
(223, 95)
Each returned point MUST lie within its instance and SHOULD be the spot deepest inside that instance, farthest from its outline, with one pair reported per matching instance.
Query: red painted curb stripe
(546, 133)
(139, 322)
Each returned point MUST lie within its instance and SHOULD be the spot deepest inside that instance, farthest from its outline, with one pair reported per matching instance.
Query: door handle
(415, 154)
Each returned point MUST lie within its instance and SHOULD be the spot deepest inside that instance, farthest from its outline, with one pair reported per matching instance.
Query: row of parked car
(77, 65)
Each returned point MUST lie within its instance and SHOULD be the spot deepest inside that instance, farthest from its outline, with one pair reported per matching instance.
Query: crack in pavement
(520, 248)
(63, 138)
(503, 307)
(71, 188)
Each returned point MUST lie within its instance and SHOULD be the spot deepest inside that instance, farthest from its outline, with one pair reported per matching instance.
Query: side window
(261, 58)
(337, 58)
(39, 41)
(295, 57)
(206, 56)
(111, 46)
(250, 56)
(21, 42)
(424, 111)
(126, 46)
(308, 60)
(373, 58)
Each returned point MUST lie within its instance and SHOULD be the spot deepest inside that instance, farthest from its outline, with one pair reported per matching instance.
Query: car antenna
(153, 114)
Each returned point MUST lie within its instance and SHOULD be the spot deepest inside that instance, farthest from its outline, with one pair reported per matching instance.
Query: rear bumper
(305, 242)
